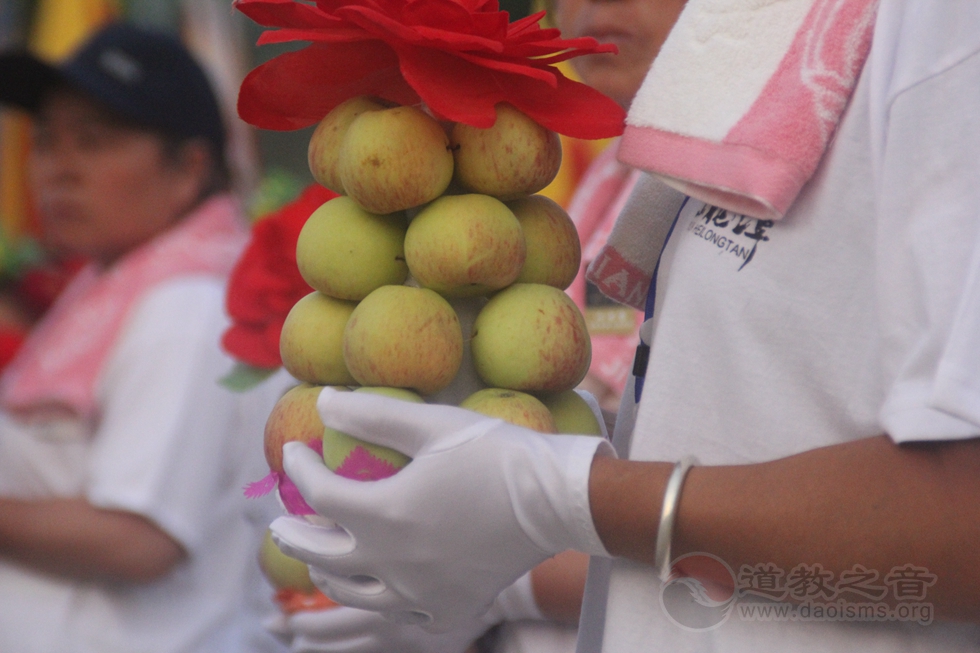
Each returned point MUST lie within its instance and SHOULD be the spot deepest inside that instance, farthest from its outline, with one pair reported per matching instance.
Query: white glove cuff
(515, 603)
(578, 465)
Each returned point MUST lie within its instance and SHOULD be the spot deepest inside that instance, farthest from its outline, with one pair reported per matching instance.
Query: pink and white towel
(737, 111)
(744, 97)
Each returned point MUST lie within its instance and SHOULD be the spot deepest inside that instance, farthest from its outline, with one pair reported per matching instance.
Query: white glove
(481, 503)
(349, 630)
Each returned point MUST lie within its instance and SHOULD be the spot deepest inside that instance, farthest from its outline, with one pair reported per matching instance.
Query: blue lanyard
(642, 357)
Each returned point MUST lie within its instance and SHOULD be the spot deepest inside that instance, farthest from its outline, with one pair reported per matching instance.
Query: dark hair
(147, 76)
(219, 174)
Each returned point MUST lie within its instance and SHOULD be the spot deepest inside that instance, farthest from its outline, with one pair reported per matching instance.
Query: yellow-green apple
(295, 591)
(465, 245)
(512, 406)
(395, 159)
(404, 337)
(312, 340)
(294, 418)
(346, 252)
(514, 157)
(466, 381)
(572, 413)
(324, 149)
(554, 252)
(531, 337)
(350, 457)
(282, 571)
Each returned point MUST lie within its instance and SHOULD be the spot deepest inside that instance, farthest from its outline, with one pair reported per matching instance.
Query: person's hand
(481, 503)
(349, 630)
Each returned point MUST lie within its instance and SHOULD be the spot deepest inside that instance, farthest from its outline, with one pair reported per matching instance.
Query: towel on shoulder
(737, 111)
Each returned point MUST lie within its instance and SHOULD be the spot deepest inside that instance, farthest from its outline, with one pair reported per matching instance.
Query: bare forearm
(868, 503)
(71, 538)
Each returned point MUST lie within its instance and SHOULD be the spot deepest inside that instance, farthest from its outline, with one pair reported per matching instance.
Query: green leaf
(244, 377)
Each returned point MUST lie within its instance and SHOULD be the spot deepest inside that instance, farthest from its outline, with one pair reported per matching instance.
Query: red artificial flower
(11, 340)
(265, 282)
(32, 293)
(38, 286)
(291, 601)
(459, 57)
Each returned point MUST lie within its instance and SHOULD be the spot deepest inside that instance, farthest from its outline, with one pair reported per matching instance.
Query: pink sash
(60, 364)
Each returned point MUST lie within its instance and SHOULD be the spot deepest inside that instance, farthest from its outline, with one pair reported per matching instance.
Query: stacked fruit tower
(438, 273)
(439, 276)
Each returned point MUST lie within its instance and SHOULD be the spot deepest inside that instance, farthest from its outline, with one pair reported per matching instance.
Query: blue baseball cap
(145, 76)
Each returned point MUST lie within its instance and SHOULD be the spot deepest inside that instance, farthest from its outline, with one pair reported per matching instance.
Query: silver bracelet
(665, 531)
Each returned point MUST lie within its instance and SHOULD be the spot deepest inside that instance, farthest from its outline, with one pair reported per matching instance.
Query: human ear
(192, 165)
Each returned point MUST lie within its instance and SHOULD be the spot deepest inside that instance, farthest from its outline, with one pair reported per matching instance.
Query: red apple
(404, 337)
(511, 406)
(531, 337)
(294, 418)
(514, 157)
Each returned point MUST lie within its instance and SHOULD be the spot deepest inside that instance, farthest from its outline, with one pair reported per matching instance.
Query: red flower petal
(11, 339)
(265, 282)
(284, 13)
(439, 22)
(296, 89)
(344, 35)
(461, 57)
(459, 90)
(258, 347)
(585, 112)
(537, 49)
(530, 22)
(449, 16)
(330, 6)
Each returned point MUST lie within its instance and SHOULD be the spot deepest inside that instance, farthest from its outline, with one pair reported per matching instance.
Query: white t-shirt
(858, 314)
(171, 445)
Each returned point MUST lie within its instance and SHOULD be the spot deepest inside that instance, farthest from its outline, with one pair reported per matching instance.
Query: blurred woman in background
(122, 521)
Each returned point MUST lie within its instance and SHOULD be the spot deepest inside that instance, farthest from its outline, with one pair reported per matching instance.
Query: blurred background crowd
(268, 168)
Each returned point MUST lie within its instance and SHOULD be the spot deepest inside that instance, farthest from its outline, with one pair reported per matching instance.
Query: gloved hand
(349, 630)
(481, 503)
